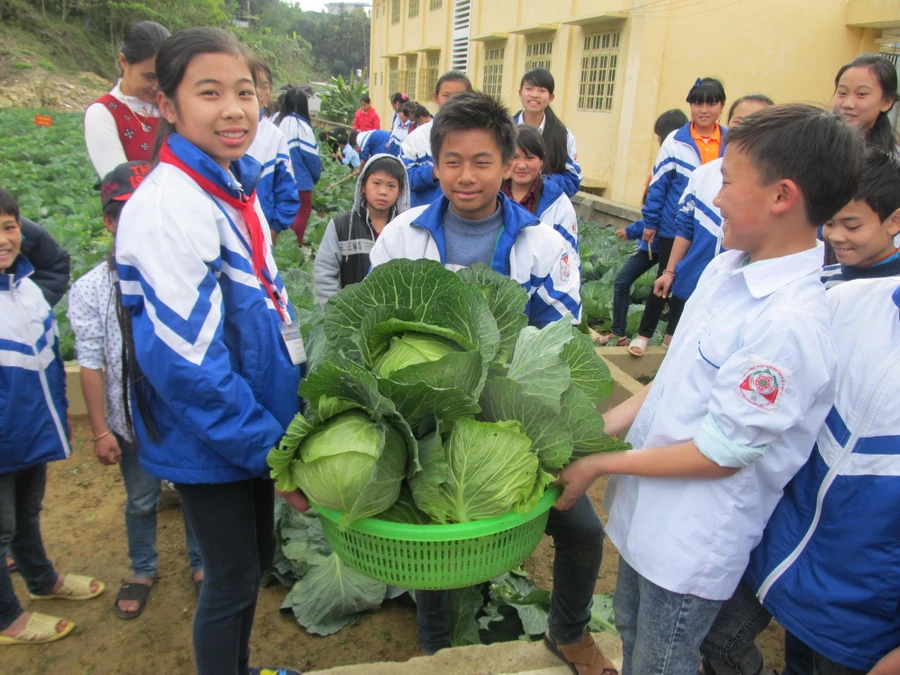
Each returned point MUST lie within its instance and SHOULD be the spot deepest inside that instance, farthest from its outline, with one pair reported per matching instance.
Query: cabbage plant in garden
(431, 378)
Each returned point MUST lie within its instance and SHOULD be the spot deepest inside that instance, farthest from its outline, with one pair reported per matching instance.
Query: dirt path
(84, 532)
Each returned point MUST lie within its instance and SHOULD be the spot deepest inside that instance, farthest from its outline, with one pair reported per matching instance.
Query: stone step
(502, 658)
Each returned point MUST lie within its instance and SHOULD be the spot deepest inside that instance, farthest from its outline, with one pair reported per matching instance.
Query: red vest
(136, 141)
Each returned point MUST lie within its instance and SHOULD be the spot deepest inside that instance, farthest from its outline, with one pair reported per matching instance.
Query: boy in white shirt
(739, 399)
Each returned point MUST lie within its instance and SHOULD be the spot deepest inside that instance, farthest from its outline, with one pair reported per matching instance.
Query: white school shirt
(753, 352)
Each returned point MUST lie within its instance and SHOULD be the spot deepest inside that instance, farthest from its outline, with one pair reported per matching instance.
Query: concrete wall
(605, 211)
(787, 50)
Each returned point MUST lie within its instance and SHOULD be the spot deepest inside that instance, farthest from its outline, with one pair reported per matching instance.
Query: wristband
(103, 435)
(669, 272)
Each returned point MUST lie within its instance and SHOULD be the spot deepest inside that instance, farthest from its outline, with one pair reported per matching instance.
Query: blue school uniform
(372, 143)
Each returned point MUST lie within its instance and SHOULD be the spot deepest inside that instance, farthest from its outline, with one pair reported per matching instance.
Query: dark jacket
(49, 259)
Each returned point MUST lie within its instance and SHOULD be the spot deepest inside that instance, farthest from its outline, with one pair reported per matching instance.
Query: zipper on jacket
(829, 479)
(48, 397)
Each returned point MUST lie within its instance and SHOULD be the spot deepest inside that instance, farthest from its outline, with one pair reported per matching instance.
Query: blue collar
(550, 192)
(245, 171)
(683, 135)
(515, 219)
(20, 269)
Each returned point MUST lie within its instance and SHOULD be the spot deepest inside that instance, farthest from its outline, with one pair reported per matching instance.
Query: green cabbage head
(352, 464)
(411, 349)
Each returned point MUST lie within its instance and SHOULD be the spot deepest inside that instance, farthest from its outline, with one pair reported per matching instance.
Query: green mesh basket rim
(448, 532)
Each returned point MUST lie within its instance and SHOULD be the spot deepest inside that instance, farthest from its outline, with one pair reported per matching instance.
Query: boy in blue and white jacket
(474, 223)
(826, 567)
(372, 143)
(33, 432)
(276, 188)
(416, 149)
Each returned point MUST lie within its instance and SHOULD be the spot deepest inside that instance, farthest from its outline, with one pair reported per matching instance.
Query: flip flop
(139, 592)
(74, 587)
(583, 658)
(39, 629)
(638, 346)
(273, 671)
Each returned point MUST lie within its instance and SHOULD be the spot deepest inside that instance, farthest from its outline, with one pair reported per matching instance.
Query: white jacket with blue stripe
(415, 152)
(528, 251)
(207, 337)
(304, 151)
(555, 208)
(570, 180)
(276, 188)
(677, 159)
(828, 567)
(33, 403)
(700, 222)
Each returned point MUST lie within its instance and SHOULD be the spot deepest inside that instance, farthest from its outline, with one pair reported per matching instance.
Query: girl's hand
(649, 235)
(296, 499)
(577, 477)
(621, 234)
(662, 286)
(107, 450)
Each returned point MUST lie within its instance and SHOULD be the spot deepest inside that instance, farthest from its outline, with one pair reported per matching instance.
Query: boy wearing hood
(382, 193)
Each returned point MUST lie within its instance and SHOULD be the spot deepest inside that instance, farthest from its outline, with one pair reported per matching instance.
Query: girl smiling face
(859, 98)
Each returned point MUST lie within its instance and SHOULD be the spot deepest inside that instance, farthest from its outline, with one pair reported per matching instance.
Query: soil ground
(83, 529)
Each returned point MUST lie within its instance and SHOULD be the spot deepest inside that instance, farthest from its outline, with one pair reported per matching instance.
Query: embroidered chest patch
(762, 385)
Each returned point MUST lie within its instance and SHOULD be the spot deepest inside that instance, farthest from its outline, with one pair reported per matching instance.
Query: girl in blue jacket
(294, 122)
(696, 143)
(212, 341)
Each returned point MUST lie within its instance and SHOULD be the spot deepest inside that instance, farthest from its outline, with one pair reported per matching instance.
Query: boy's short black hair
(389, 166)
(341, 138)
(474, 110)
(668, 122)
(8, 204)
(365, 99)
(706, 90)
(113, 210)
(452, 76)
(815, 149)
(421, 111)
(879, 187)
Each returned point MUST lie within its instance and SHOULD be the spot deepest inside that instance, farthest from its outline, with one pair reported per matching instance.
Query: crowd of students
(762, 482)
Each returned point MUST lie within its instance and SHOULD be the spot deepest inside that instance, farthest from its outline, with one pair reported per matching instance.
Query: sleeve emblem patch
(762, 385)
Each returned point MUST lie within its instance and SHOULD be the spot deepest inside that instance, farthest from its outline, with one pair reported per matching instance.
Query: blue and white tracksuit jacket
(635, 231)
(206, 335)
(399, 132)
(700, 222)
(677, 159)
(33, 402)
(304, 151)
(555, 208)
(416, 155)
(528, 251)
(276, 188)
(570, 181)
(828, 565)
(372, 143)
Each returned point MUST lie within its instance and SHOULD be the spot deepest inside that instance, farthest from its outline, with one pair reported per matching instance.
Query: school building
(618, 64)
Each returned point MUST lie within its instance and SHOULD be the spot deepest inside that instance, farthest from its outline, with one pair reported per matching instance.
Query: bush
(340, 99)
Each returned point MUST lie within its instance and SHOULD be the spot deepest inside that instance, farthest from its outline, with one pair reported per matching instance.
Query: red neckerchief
(246, 206)
(530, 201)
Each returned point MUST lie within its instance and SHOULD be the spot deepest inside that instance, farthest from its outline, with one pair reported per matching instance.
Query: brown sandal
(584, 657)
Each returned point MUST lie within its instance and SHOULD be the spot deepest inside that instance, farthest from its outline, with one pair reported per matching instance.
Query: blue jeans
(578, 536)
(730, 647)
(235, 527)
(661, 630)
(21, 498)
(141, 506)
(634, 267)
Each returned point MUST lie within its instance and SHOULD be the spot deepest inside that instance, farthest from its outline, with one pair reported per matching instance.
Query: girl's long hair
(881, 136)
(294, 103)
(556, 136)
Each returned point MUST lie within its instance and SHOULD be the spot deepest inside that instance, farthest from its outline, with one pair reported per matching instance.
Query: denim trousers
(142, 501)
(21, 498)
(661, 630)
(578, 537)
(235, 526)
(730, 647)
(634, 267)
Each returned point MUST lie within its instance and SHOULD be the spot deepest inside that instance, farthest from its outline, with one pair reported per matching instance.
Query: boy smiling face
(858, 235)
(10, 240)
(470, 169)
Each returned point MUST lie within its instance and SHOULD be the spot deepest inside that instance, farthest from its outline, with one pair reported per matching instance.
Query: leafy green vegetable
(404, 510)
(410, 349)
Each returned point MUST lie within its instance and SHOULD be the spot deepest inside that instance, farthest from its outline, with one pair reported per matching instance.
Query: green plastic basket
(436, 557)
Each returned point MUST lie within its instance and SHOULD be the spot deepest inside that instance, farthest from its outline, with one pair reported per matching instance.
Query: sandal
(615, 340)
(40, 628)
(583, 658)
(638, 346)
(273, 671)
(74, 587)
(135, 591)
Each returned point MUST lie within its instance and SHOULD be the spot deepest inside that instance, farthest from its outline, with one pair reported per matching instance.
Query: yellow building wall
(789, 51)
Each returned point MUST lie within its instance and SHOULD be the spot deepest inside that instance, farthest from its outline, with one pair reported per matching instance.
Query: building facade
(618, 64)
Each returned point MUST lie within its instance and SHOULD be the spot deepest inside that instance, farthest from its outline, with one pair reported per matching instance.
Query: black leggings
(234, 524)
(655, 304)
